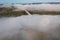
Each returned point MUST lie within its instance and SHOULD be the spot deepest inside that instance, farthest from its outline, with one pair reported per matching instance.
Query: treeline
(7, 12)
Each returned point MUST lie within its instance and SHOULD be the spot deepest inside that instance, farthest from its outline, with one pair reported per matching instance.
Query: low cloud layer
(14, 26)
(39, 7)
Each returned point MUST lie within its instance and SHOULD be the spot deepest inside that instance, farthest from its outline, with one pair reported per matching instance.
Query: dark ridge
(40, 3)
(53, 2)
(1, 4)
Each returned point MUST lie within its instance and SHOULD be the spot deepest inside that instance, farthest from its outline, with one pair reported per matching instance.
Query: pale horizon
(27, 1)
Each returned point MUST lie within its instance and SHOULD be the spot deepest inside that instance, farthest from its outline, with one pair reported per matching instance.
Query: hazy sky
(27, 1)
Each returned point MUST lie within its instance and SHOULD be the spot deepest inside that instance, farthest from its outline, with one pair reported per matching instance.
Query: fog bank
(11, 27)
(39, 7)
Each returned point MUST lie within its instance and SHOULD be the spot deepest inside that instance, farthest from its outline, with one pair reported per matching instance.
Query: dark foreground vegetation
(7, 12)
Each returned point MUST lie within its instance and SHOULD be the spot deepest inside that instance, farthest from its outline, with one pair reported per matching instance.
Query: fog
(20, 28)
(38, 7)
